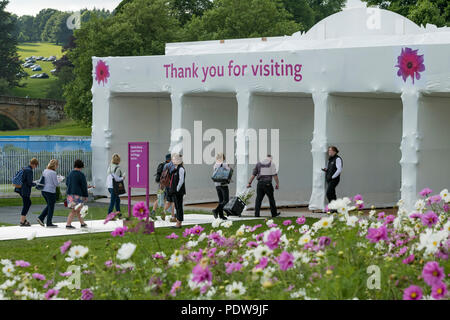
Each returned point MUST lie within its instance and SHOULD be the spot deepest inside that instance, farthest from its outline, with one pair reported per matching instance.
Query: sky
(32, 7)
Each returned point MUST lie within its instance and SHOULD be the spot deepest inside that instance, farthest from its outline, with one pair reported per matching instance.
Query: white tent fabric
(340, 83)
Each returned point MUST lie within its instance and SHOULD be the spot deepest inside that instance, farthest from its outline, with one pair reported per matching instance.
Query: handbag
(40, 184)
(118, 186)
(222, 175)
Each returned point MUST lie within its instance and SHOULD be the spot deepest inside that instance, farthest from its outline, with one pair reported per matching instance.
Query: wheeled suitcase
(234, 207)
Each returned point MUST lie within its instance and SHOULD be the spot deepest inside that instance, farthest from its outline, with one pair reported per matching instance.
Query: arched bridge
(31, 113)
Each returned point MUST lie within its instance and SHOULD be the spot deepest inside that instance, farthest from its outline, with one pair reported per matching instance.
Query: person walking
(221, 187)
(160, 200)
(264, 171)
(77, 193)
(177, 187)
(52, 181)
(333, 172)
(114, 172)
(168, 169)
(25, 191)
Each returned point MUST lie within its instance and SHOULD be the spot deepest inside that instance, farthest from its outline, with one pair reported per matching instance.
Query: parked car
(51, 58)
(34, 76)
(53, 71)
(40, 58)
(37, 68)
(28, 64)
(43, 76)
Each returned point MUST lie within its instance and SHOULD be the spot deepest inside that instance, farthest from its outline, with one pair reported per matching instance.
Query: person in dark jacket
(77, 193)
(333, 172)
(25, 191)
(177, 188)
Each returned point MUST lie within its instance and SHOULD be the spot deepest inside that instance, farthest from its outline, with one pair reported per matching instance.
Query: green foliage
(9, 59)
(63, 128)
(420, 11)
(142, 27)
(230, 19)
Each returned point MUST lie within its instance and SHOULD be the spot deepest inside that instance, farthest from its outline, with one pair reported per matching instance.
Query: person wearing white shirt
(52, 181)
(114, 172)
(333, 172)
(221, 187)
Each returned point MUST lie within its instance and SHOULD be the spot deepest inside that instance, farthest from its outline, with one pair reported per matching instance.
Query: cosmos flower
(119, 231)
(377, 234)
(126, 251)
(87, 294)
(432, 273)
(412, 293)
(176, 286)
(140, 210)
(285, 260)
(439, 290)
(429, 219)
(410, 64)
(235, 289)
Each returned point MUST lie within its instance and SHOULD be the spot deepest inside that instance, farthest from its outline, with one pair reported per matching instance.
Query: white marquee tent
(367, 80)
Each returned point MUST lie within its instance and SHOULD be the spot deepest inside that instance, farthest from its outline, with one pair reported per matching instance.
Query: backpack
(159, 171)
(164, 180)
(18, 179)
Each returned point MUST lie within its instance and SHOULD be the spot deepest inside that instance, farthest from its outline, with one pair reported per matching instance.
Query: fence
(13, 160)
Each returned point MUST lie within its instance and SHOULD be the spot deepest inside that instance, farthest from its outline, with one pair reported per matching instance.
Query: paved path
(94, 226)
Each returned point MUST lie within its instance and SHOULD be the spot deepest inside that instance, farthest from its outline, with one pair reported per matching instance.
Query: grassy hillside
(64, 128)
(37, 88)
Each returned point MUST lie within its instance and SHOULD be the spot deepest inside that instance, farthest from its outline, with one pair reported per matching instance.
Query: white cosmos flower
(191, 244)
(326, 222)
(227, 224)
(298, 294)
(8, 270)
(372, 213)
(447, 226)
(420, 205)
(235, 289)
(445, 195)
(216, 223)
(304, 228)
(430, 241)
(240, 232)
(126, 251)
(128, 265)
(76, 252)
(202, 237)
(351, 221)
(6, 262)
(261, 251)
(7, 284)
(175, 260)
(304, 239)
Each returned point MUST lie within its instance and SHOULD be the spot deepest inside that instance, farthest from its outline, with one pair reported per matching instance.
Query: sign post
(138, 168)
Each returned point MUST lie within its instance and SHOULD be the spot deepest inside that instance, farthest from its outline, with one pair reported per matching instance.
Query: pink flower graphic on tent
(101, 72)
(410, 64)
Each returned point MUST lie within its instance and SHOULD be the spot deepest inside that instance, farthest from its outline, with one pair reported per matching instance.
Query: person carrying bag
(115, 184)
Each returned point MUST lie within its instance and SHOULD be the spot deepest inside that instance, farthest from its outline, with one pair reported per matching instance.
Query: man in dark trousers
(333, 172)
(25, 191)
(264, 171)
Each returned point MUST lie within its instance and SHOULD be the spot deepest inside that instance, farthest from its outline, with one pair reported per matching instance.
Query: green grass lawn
(37, 88)
(16, 202)
(64, 128)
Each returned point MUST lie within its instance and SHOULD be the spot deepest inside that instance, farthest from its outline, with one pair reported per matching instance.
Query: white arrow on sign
(137, 168)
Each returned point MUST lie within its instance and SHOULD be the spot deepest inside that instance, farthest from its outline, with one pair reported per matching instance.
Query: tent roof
(354, 27)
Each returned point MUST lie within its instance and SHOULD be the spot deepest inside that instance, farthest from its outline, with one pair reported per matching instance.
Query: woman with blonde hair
(52, 181)
(114, 172)
(221, 187)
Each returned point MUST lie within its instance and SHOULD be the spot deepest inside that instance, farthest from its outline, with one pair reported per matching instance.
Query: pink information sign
(138, 164)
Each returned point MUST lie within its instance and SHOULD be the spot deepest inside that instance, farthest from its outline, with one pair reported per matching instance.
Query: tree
(10, 63)
(230, 19)
(184, 10)
(420, 11)
(142, 27)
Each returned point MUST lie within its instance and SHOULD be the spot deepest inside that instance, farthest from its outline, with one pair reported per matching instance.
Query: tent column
(243, 119)
(177, 99)
(318, 149)
(410, 147)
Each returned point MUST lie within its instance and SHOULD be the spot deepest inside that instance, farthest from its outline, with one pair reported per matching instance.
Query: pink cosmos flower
(446, 207)
(252, 244)
(176, 285)
(252, 229)
(87, 294)
(50, 294)
(172, 236)
(381, 215)
(196, 255)
(425, 192)
(324, 241)
(432, 273)
(439, 290)
(301, 220)
(109, 263)
(389, 219)
(38, 276)
(285, 260)
(232, 266)
(65, 274)
(287, 222)
(262, 263)
(412, 293)
(22, 263)
(377, 234)
(273, 239)
(217, 238)
(65, 246)
(140, 210)
(110, 217)
(201, 274)
(48, 283)
(410, 64)
(429, 219)
(415, 215)
(358, 197)
(157, 256)
(212, 252)
(119, 231)
(435, 199)
(101, 72)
